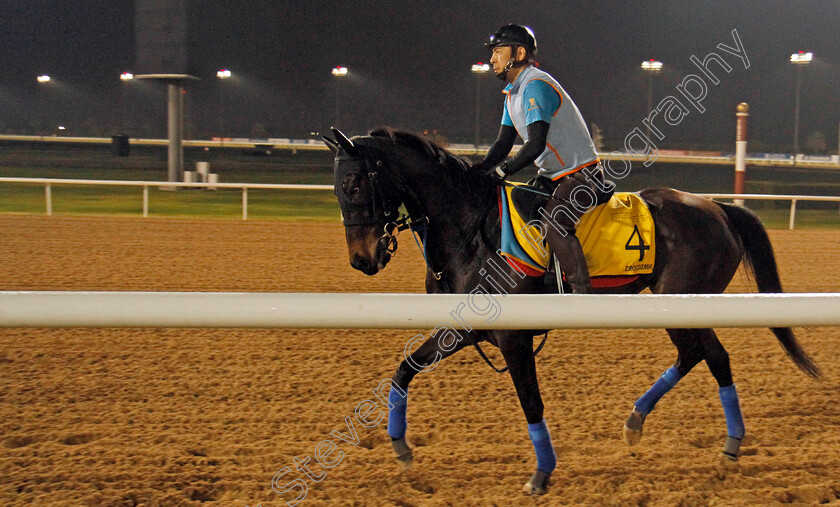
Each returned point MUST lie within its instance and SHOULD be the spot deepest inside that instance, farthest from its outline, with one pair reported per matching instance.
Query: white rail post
(792, 213)
(48, 197)
(244, 203)
(145, 201)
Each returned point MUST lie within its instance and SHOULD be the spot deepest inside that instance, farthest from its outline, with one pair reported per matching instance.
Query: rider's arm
(541, 102)
(500, 148)
(537, 135)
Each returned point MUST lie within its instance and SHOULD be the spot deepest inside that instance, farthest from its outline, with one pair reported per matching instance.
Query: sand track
(185, 417)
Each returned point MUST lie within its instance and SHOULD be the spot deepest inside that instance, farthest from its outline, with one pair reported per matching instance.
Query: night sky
(410, 66)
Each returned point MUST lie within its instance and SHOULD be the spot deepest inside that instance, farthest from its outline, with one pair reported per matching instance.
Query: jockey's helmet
(514, 35)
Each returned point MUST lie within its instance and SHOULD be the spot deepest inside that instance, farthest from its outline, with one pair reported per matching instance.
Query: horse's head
(369, 202)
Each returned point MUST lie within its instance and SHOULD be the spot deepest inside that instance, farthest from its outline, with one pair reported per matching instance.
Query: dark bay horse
(700, 244)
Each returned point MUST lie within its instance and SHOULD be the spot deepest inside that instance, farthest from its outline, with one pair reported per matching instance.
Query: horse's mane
(430, 149)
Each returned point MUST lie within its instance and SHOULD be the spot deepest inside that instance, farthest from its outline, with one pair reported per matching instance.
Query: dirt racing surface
(187, 417)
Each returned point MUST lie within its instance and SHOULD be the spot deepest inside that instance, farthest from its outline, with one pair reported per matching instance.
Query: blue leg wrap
(732, 411)
(664, 384)
(546, 459)
(396, 416)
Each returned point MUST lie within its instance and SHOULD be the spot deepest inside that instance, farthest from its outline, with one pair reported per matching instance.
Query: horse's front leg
(518, 352)
(443, 342)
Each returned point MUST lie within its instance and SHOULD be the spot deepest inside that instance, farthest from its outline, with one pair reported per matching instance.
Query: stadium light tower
(125, 77)
(339, 72)
(478, 69)
(800, 59)
(651, 68)
(223, 75)
(44, 97)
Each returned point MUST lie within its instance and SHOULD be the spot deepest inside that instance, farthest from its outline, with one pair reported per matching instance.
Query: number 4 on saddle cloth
(617, 237)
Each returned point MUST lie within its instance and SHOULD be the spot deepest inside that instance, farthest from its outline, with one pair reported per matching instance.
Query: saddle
(531, 201)
(617, 236)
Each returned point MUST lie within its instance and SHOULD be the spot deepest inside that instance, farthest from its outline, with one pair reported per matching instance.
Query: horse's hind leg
(717, 359)
(690, 351)
(442, 343)
(693, 345)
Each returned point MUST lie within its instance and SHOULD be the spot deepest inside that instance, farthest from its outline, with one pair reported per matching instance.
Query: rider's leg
(573, 197)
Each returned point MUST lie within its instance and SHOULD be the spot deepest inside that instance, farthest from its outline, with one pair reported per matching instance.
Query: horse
(700, 244)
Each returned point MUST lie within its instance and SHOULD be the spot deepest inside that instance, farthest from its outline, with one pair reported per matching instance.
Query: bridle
(382, 202)
(377, 202)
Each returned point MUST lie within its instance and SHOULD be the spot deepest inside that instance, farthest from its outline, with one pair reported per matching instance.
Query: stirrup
(559, 274)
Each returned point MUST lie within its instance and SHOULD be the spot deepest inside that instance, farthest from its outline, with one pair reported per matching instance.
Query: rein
(405, 222)
(383, 205)
(506, 368)
(464, 242)
(420, 226)
(526, 188)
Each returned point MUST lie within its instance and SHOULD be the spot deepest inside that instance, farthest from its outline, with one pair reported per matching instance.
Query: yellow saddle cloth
(617, 237)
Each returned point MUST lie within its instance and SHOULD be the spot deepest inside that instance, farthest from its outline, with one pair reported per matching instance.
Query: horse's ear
(345, 142)
(331, 144)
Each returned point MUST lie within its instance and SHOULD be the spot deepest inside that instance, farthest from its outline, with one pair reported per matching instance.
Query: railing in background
(48, 182)
(791, 198)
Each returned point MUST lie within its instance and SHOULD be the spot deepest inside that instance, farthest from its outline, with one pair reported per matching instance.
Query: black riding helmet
(514, 35)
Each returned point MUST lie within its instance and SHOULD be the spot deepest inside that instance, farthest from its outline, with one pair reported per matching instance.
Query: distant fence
(49, 182)
(766, 197)
(413, 311)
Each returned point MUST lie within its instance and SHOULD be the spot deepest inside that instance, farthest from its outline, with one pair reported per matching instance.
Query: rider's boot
(570, 255)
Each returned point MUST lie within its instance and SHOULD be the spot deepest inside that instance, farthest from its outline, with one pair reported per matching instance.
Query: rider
(557, 141)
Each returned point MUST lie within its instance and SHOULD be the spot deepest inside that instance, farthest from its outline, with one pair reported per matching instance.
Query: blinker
(375, 202)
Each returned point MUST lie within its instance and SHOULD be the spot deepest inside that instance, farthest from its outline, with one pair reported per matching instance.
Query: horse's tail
(760, 261)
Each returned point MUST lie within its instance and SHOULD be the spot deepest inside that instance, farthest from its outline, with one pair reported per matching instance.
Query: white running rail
(413, 311)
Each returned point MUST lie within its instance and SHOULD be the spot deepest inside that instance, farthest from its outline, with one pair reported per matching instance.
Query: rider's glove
(498, 173)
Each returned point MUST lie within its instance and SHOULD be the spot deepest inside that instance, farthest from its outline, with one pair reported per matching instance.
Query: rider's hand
(497, 173)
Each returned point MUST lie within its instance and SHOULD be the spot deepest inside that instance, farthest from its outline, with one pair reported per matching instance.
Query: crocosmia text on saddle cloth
(617, 237)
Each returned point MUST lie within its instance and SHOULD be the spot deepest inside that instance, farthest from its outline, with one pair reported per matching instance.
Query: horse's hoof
(633, 427)
(538, 483)
(405, 456)
(731, 448)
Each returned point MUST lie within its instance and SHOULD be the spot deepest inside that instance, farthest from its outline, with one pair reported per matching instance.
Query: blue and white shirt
(536, 96)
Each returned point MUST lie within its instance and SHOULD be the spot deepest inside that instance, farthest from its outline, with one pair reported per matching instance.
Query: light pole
(43, 81)
(478, 69)
(223, 75)
(339, 72)
(651, 68)
(800, 59)
(125, 77)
